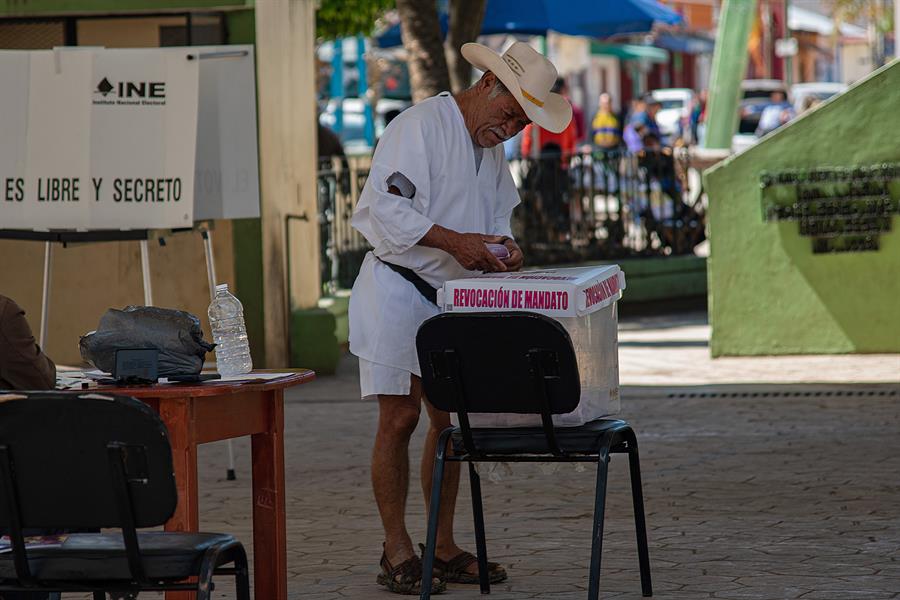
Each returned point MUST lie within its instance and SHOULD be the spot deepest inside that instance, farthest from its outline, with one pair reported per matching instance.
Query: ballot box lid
(567, 292)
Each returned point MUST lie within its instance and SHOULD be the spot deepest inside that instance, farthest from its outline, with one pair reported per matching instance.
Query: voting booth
(583, 300)
(101, 145)
(108, 144)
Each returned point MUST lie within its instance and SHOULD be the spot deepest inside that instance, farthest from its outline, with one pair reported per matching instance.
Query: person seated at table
(23, 366)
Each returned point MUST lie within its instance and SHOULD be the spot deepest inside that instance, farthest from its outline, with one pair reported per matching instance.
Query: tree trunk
(466, 17)
(421, 33)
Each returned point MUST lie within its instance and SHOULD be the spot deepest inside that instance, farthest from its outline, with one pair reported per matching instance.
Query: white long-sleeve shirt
(430, 146)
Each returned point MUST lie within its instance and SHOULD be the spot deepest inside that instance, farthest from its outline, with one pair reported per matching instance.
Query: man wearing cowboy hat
(438, 190)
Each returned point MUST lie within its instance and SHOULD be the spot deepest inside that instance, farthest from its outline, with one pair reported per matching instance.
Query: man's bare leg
(397, 419)
(446, 548)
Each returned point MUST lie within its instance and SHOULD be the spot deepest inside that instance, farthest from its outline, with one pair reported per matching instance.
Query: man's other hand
(469, 249)
(516, 257)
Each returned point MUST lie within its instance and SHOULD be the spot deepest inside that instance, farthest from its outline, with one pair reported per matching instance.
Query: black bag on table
(176, 334)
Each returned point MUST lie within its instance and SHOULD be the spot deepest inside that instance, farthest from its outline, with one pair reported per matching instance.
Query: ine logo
(104, 87)
(146, 93)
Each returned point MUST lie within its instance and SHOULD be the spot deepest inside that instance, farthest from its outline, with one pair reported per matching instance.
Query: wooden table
(209, 412)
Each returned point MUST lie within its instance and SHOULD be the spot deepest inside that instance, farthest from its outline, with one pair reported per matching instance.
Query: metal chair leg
(206, 571)
(241, 575)
(484, 578)
(597, 541)
(437, 480)
(640, 523)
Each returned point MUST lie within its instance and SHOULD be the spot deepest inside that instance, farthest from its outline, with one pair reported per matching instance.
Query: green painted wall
(769, 294)
(44, 8)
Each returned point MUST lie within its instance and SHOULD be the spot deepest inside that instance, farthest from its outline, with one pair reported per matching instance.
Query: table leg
(179, 418)
(269, 524)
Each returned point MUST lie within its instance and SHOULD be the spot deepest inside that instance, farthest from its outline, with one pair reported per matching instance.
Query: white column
(285, 63)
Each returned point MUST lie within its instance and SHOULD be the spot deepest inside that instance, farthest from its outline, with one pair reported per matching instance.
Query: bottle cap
(222, 287)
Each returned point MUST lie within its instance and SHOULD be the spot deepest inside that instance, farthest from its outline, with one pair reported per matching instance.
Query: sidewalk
(752, 490)
(674, 350)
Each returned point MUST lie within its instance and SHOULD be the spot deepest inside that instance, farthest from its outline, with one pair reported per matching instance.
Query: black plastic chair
(517, 362)
(90, 461)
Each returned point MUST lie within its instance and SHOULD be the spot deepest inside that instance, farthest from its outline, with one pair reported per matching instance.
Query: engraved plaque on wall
(841, 209)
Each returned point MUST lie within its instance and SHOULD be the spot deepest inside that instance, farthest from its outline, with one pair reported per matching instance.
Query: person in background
(645, 121)
(329, 144)
(390, 116)
(630, 134)
(562, 143)
(698, 115)
(577, 113)
(606, 129)
(776, 114)
(642, 123)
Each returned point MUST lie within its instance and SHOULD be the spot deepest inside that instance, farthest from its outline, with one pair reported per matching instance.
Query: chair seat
(101, 556)
(585, 439)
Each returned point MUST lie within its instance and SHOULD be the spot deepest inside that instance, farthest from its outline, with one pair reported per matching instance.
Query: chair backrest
(503, 362)
(63, 450)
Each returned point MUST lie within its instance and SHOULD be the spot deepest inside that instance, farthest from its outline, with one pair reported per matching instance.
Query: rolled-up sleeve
(393, 224)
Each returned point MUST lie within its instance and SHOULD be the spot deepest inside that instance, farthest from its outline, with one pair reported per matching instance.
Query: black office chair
(91, 461)
(517, 362)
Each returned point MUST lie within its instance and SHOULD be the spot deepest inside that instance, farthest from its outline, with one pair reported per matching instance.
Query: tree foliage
(875, 11)
(345, 18)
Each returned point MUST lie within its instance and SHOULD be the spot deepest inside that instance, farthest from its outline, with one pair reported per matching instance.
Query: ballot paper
(583, 300)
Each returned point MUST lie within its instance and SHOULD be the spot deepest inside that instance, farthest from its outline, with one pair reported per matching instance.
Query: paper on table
(97, 374)
(253, 377)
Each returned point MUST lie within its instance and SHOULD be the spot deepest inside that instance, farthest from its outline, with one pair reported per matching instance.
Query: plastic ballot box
(583, 300)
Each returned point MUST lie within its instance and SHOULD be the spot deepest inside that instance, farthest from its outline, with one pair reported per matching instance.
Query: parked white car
(820, 90)
(676, 104)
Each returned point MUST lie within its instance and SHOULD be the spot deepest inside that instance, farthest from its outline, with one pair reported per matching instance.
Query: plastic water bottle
(226, 319)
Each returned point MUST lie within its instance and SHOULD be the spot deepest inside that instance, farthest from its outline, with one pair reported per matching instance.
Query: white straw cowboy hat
(529, 76)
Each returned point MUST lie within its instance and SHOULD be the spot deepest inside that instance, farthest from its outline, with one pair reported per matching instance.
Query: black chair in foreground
(517, 362)
(90, 461)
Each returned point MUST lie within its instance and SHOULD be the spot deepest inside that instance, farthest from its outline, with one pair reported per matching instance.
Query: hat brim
(554, 115)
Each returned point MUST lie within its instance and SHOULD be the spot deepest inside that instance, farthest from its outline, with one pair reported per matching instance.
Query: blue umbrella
(591, 18)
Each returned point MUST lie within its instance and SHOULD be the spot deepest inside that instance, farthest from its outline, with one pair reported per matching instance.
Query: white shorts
(377, 379)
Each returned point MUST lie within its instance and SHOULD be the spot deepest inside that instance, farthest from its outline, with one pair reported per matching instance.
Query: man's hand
(516, 257)
(468, 249)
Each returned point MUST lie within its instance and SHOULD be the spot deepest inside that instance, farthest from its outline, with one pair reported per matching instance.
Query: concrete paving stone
(859, 594)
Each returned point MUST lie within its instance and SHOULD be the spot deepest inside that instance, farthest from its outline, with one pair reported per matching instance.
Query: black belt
(428, 292)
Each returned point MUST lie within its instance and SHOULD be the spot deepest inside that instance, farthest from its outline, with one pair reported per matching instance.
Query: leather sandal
(406, 578)
(455, 570)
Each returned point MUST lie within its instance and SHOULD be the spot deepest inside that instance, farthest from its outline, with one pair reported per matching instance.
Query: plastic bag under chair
(176, 334)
